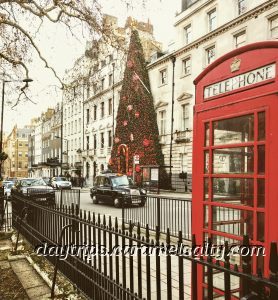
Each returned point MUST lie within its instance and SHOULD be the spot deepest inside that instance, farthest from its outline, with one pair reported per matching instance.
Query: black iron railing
(120, 275)
(163, 212)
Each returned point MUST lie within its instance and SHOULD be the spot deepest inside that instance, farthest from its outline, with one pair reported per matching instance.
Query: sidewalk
(22, 281)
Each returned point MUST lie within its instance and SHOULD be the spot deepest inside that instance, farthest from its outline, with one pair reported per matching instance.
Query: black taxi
(117, 189)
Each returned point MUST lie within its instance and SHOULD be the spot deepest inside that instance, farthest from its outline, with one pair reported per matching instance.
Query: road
(174, 214)
(103, 209)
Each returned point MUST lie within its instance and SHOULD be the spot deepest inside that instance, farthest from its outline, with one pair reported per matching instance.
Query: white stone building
(205, 30)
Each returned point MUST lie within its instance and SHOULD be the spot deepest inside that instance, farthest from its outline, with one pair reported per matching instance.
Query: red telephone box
(235, 152)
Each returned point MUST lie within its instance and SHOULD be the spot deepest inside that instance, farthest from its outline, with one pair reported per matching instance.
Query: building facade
(16, 146)
(45, 144)
(205, 30)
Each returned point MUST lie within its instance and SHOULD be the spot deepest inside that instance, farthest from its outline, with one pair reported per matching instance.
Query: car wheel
(94, 199)
(117, 203)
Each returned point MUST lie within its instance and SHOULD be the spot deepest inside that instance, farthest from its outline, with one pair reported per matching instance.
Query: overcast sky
(62, 50)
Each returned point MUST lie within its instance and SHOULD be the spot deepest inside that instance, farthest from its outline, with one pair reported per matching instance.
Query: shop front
(235, 148)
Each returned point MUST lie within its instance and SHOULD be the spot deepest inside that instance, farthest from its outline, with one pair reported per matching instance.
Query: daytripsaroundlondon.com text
(89, 251)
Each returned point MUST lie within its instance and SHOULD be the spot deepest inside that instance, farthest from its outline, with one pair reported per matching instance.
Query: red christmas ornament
(137, 114)
(110, 162)
(125, 123)
(129, 107)
(130, 63)
(138, 169)
(117, 140)
(131, 137)
(124, 98)
(146, 142)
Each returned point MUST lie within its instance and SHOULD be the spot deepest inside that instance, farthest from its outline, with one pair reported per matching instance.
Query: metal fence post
(57, 259)
(18, 231)
(158, 212)
(273, 268)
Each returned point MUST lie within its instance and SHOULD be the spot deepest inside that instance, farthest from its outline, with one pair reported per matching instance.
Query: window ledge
(185, 75)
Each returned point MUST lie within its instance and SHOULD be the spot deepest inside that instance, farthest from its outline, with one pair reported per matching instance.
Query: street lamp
(26, 80)
(63, 139)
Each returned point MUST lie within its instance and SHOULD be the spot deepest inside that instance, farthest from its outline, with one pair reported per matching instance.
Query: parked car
(60, 183)
(47, 180)
(117, 189)
(7, 188)
(30, 185)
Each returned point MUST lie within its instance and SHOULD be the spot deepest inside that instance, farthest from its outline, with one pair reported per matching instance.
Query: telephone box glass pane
(233, 221)
(206, 164)
(261, 159)
(237, 191)
(207, 134)
(206, 214)
(206, 188)
(261, 192)
(260, 226)
(234, 130)
(261, 126)
(233, 160)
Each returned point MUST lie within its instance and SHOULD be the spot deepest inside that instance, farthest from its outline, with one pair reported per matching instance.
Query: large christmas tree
(136, 126)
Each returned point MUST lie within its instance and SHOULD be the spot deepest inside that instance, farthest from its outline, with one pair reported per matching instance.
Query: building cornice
(193, 12)
(220, 30)
(103, 92)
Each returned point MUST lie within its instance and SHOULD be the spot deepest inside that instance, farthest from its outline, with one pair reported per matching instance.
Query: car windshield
(9, 185)
(119, 181)
(32, 182)
(61, 179)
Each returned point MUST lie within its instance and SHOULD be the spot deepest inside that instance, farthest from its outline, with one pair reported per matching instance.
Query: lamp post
(67, 151)
(26, 80)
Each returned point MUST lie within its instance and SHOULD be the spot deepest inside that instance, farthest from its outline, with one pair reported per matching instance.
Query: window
(109, 138)
(188, 34)
(102, 83)
(162, 122)
(210, 55)
(88, 115)
(274, 27)
(19, 164)
(184, 116)
(74, 91)
(109, 106)
(103, 63)
(95, 141)
(102, 109)
(79, 125)
(87, 142)
(186, 66)
(163, 76)
(95, 112)
(102, 140)
(241, 6)
(110, 79)
(240, 39)
(212, 19)
(19, 153)
(88, 91)
(95, 88)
